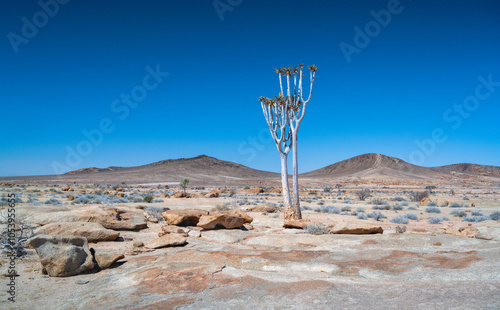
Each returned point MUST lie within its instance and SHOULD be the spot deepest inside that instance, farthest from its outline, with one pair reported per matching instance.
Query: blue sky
(423, 87)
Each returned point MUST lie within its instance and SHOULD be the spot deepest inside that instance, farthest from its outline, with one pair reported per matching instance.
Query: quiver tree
(276, 115)
(284, 114)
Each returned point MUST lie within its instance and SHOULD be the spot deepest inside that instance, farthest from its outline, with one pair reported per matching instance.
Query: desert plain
(376, 233)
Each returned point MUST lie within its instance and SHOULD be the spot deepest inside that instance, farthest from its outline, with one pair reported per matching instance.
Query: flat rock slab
(94, 232)
(111, 218)
(356, 228)
(173, 239)
(63, 256)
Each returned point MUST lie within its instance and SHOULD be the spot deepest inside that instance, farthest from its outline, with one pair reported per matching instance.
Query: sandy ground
(269, 267)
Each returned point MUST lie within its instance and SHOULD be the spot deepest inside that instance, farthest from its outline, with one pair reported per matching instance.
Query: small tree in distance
(184, 183)
(363, 194)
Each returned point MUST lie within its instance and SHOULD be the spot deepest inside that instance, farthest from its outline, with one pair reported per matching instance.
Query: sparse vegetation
(437, 220)
(495, 216)
(411, 216)
(328, 209)
(400, 219)
(376, 215)
(148, 198)
(316, 229)
(418, 196)
(432, 210)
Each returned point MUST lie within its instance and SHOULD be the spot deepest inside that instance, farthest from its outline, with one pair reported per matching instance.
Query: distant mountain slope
(373, 165)
(200, 168)
(469, 169)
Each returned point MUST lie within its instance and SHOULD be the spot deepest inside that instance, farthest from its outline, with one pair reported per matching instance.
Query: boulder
(167, 240)
(63, 256)
(94, 232)
(256, 190)
(301, 224)
(164, 195)
(488, 230)
(66, 189)
(212, 194)
(356, 228)
(225, 220)
(179, 195)
(120, 195)
(275, 190)
(193, 196)
(188, 217)
(104, 260)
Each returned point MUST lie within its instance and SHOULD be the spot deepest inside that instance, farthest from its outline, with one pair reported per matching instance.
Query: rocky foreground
(209, 259)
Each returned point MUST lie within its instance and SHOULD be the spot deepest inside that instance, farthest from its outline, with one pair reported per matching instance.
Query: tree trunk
(295, 172)
(289, 211)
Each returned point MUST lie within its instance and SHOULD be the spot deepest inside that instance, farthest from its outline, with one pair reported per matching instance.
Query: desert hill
(373, 165)
(202, 168)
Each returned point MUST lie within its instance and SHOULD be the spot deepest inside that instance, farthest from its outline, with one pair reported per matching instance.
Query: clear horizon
(124, 83)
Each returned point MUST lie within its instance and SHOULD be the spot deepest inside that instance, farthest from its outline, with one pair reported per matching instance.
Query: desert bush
(16, 242)
(399, 199)
(418, 196)
(316, 229)
(404, 203)
(246, 187)
(344, 213)
(360, 210)
(313, 193)
(158, 200)
(327, 189)
(432, 210)
(437, 220)
(345, 209)
(397, 207)
(377, 207)
(321, 202)
(363, 194)
(347, 201)
(376, 215)
(53, 201)
(432, 204)
(304, 208)
(379, 202)
(119, 200)
(412, 208)
(495, 216)
(399, 220)
(476, 213)
(148, 198)
(458, 213)
(328, 209)
(476, 219)
(455, 205)
(362, 216)
(411, 216)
